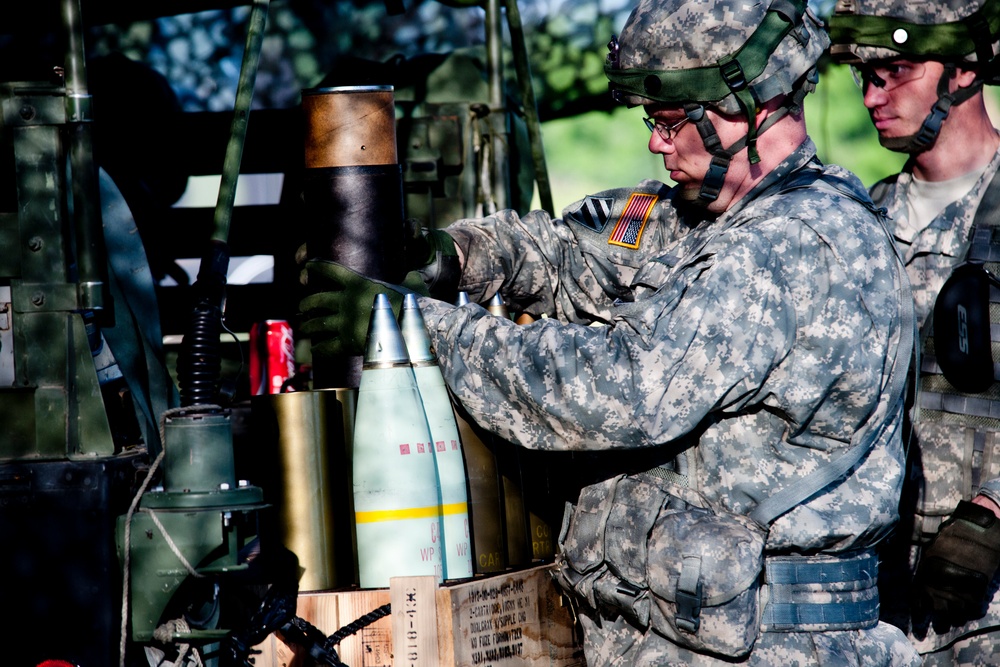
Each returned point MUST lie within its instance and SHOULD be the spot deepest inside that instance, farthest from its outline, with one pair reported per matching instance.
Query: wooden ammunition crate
(508, 620)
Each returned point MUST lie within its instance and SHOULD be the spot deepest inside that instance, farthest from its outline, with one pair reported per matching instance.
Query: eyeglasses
(888, 76)
(666, 132)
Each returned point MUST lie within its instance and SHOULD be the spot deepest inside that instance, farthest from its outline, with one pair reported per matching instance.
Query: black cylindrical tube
(358, 218)
(353, 194)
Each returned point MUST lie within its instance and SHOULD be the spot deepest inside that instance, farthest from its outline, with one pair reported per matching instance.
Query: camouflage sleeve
(991, 490)
(528, 259)
(561, 267)
(705, 341)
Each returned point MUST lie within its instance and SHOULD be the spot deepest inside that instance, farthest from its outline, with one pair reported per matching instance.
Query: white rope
(165, 633)
(127, 549)
(127, 541)
(172, 545)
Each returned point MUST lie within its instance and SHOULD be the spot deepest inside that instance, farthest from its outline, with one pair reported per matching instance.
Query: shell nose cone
(498, 307)
(385, 345)
(411, 322)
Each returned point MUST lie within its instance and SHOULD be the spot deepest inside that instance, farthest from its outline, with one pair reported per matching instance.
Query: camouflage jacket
(762, 336)
(955, 456)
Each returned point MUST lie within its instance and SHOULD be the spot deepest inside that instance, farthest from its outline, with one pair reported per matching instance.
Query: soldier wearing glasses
(922, 67)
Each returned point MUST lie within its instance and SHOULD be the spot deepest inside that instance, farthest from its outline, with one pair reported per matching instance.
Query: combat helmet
(727, 55)
(956, 33)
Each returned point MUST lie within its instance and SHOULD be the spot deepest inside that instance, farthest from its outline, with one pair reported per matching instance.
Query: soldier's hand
(433, 253)
(956, 570)
(424, 246)
(336, 315)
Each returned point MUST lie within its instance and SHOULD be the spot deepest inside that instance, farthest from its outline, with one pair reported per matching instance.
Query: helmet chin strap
(927, 135)
(715, 177)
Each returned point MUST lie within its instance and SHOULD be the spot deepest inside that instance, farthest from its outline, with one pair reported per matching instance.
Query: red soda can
(272, 356)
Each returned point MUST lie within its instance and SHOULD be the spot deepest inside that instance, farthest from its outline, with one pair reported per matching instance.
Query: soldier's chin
(899, 144)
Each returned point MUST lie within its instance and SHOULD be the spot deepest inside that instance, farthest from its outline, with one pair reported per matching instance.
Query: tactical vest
(957, 421)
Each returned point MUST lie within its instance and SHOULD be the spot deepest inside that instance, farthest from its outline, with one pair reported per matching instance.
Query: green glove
(336, 315)
(426, 246)
(433, 253)
(430, 251)
(955, 572)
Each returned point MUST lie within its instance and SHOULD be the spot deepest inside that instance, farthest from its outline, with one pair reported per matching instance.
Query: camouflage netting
(200, 53)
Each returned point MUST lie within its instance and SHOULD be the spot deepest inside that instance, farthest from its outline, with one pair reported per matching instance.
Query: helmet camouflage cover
(953, 31)
(681, 51)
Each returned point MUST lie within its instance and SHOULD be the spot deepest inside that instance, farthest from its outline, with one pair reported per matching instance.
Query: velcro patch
(594, 213)
(628, 229)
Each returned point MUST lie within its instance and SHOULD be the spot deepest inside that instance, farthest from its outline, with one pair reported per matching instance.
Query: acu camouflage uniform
(954, 452)
(750, 347)
(955, 449)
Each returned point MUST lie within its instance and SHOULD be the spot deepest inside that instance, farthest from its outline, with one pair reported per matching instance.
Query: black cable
(352, 628)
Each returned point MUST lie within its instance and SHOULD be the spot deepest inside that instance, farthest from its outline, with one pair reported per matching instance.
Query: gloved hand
(432, 252)
(425, 246)
(955, 572)
(336, 315)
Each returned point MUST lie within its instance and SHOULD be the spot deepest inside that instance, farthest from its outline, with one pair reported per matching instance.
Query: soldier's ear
(964, 77)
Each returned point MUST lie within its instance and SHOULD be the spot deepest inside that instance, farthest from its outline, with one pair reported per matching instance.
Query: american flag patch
(628, 229)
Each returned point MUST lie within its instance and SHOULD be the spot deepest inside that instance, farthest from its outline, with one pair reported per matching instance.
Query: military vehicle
(137, 507)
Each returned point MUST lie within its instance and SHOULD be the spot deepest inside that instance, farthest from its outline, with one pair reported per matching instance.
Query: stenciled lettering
(963, 329)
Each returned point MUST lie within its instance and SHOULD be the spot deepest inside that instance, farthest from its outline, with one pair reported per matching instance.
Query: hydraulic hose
(199, 365)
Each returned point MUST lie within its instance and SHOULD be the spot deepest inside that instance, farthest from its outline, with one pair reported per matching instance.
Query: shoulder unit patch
(594, 213)
(628, 229)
